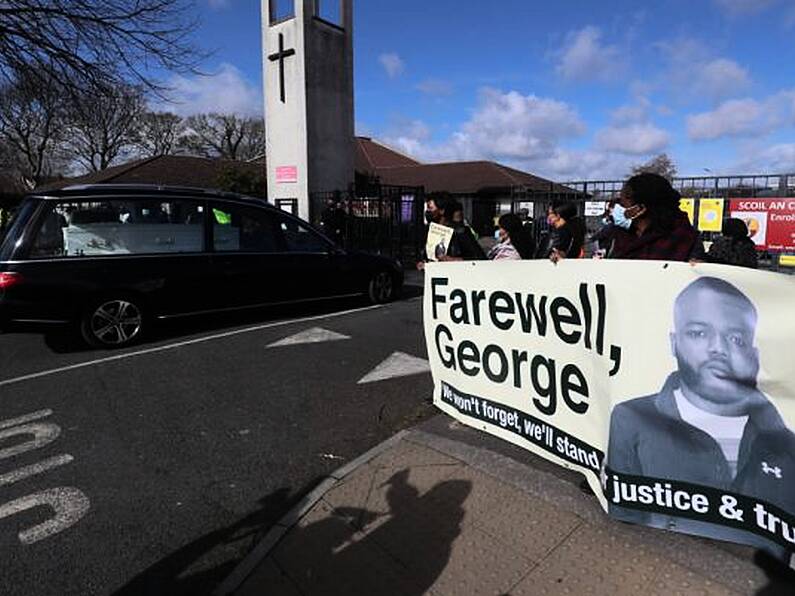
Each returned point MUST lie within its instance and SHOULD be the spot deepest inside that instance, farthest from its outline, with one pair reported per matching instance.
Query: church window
(281, 10)
(329, 11)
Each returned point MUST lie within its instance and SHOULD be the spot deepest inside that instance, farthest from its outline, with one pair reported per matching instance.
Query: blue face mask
(620, 218)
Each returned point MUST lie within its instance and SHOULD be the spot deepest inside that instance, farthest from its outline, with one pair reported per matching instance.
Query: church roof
(167, 170)
(372, 155)
(373, 159)
(465, 178)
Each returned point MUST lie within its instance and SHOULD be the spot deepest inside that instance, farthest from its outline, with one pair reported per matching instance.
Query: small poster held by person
(438, 241)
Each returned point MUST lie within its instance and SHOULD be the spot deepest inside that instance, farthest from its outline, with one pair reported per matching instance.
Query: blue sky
(566, 89)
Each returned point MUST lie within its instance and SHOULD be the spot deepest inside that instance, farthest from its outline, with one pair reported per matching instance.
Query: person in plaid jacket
(649, 225)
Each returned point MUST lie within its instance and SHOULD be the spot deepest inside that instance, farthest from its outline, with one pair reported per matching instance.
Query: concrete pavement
(446, 510)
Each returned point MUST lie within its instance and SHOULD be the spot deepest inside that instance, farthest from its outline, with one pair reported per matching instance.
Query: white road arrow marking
(397, 365)
(316, 335)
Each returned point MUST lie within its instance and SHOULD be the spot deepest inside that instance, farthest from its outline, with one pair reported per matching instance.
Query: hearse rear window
(118, 227)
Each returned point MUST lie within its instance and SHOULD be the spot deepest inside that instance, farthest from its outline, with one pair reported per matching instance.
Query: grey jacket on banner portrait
(649, 438)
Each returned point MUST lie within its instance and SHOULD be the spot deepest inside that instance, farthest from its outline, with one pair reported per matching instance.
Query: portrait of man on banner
(710, 425)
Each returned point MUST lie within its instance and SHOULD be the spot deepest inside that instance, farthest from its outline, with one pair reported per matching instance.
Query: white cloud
(633, 139)
(777, 159)
(740, 7)
(573, 165)
(721, 78)
(632, 113)
(226, 91)
(695, 73)
(737, 117)
(435, 87)
(523, 131)
(393, 65)
(513, 126)
(530, 132)
(586, 58)
(410, 137)
(744, 118)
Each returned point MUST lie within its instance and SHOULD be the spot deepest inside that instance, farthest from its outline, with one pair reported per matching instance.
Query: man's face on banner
(713, 343)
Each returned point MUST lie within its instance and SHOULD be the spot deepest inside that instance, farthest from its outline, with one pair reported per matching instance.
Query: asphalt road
(153, 470)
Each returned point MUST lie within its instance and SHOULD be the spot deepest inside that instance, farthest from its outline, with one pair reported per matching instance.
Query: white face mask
(497, 235)
(620, 218)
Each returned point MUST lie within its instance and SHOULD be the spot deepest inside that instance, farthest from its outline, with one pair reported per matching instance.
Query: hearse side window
(300, 238)
(118, 227)
(238, 228)
(16, 226)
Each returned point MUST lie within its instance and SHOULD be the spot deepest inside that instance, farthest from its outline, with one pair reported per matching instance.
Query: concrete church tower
(308, 80)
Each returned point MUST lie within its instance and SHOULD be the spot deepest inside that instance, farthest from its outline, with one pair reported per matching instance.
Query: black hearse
(112, 259)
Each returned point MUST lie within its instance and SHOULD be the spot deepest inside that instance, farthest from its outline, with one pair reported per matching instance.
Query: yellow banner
(689, 207)
(669, 386)
(710, 215)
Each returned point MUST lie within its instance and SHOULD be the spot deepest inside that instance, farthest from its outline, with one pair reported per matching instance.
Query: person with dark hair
(566, 235)
(515, 240)
(710, 425)
(463, 245)
(434, 206)
(734, 247)
(649, 224)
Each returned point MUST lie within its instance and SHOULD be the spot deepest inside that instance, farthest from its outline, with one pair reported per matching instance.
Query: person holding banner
(566, 235)
(515, 241)
(649, 224)
(460, 244)
(709, 426)
(734, 247)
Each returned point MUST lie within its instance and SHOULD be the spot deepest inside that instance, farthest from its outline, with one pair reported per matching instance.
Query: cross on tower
(280, 56)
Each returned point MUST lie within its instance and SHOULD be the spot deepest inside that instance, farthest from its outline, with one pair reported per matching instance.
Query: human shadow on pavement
(402, 551)
(177, 574)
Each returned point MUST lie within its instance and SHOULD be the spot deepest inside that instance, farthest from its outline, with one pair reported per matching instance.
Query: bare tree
(104, 127)
(32, 127)
(661, 164)
(97, 44)
(224, 135)
(158, 133)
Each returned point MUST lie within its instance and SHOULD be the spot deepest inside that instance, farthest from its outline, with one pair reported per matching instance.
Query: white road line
(43, 433)
(33, 469)
(69, 505)
(181, 344)
(26, 418)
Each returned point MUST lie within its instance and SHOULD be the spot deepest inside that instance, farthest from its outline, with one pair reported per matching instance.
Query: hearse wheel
(113, 322)
(381, 288)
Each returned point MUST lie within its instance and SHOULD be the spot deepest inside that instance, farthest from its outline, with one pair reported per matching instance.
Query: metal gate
(380, 219)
